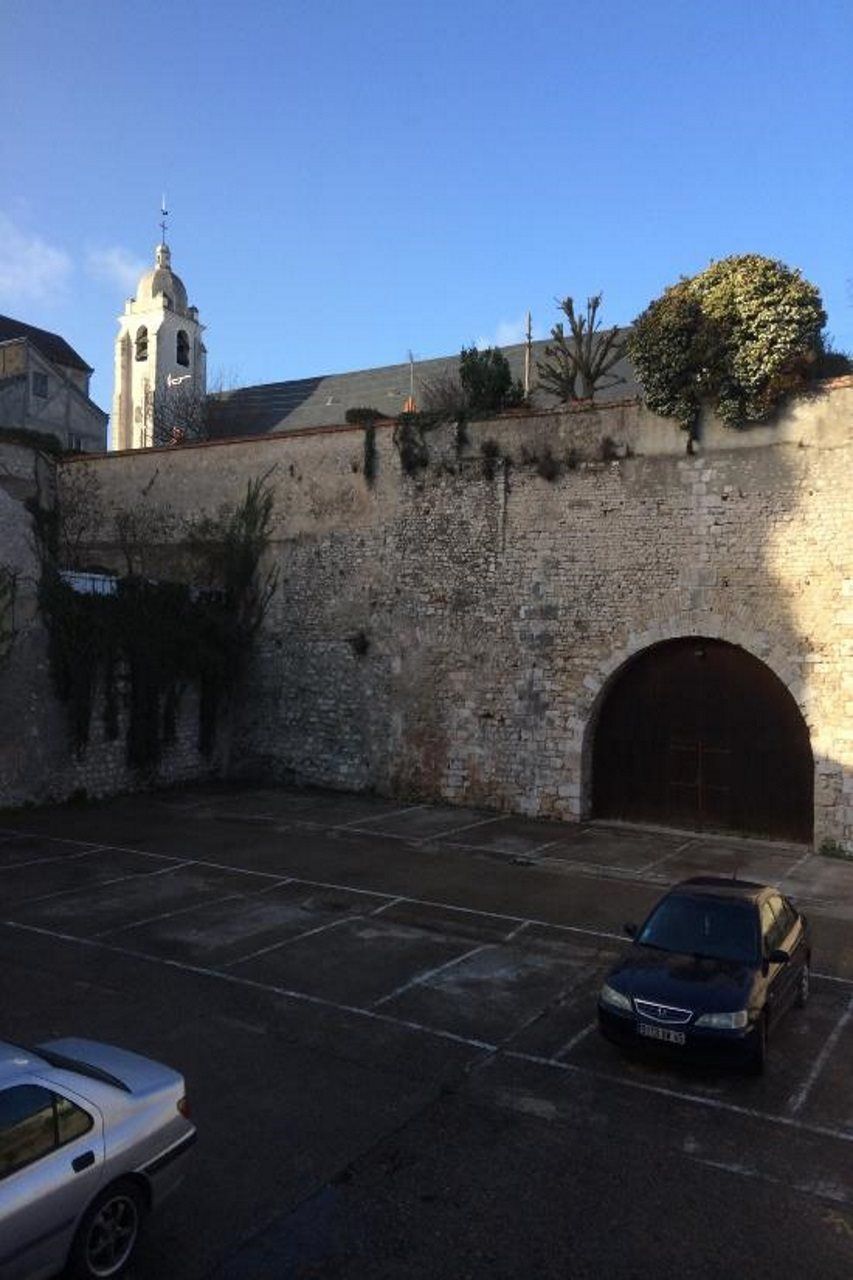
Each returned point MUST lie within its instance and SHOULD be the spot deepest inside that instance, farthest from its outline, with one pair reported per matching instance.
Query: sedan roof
(722, 887)
(13, 1058)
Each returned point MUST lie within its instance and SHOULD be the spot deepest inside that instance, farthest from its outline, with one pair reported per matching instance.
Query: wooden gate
(698, 733)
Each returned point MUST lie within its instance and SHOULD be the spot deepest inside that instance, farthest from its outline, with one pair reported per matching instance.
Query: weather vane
(165, 213)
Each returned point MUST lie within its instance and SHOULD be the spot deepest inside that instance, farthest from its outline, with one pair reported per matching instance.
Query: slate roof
(52, 347)
(324, 400)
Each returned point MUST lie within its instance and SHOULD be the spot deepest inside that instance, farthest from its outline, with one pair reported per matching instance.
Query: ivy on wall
(8, 593)
(146, 642)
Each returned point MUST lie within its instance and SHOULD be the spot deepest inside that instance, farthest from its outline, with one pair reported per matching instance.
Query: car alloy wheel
(109, 1233)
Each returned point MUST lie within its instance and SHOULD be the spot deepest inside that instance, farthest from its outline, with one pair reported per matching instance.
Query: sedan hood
(136, 1074)
(690, 982)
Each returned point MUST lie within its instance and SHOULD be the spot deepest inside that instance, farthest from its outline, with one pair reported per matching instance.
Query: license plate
(660, 1033)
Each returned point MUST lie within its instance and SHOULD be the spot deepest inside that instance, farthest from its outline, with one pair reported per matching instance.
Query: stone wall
(452, 634)
(37, 760)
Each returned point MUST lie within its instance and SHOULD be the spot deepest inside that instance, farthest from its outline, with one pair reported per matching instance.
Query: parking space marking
(382, 817)
(279, 876)
(798, 1100)
(482, 1046)
(421, 978)
(681, 1095)
(787, 876)
(167, 915)
(658, 862)
(103, 884)
(392, 899)
(62, 857)
(392, 902)
(296, 937)
(575, 1040)
(194, 906)
(469, 826)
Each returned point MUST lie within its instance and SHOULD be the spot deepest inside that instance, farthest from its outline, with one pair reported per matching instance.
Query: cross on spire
(164, 213)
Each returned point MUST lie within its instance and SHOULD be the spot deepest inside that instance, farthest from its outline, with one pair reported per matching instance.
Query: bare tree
(179, 417)
(81, 514)
(444, 394)
(586, 357)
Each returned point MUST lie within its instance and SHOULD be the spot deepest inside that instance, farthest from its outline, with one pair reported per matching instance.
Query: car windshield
(703, 926)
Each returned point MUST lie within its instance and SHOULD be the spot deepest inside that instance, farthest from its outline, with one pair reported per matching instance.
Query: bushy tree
(577, 366)
(741, 336)
(487, 381)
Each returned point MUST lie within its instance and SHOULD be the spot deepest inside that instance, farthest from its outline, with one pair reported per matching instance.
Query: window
(71, 1121)
(34, 1122)
(183, 351)
(27, 1126)
(142, 343)
(75, 442)
(786, 918)
(40, 385)
(770, 926)
(702, 926)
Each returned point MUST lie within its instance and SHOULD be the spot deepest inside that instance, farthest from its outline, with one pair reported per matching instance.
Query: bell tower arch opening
(698, 733)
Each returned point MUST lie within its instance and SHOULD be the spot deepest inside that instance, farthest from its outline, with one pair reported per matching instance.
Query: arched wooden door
(698, 733)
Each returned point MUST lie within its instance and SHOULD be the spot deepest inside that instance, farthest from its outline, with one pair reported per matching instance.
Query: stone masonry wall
(452, 634)
(37, 761)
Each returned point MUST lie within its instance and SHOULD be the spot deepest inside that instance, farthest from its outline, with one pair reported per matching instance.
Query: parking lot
(385, 1013)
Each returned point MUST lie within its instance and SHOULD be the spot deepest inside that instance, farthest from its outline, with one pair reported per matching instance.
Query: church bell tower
(160, 361)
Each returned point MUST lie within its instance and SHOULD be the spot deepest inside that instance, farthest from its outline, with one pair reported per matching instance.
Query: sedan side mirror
(779, 956)
(631, 930)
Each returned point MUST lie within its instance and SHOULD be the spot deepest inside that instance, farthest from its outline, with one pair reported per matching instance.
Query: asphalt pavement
(385, 1014)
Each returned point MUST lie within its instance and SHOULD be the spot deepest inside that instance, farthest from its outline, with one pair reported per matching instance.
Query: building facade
(44, 388)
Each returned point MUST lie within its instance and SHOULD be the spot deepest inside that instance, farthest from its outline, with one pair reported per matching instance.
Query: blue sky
(349, 179)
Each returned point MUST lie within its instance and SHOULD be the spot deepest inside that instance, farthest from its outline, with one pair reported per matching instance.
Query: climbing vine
(8, 592)
(148, 641)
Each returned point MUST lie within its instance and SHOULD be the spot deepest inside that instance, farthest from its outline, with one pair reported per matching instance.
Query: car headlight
(616, 1000)
(729, 1021)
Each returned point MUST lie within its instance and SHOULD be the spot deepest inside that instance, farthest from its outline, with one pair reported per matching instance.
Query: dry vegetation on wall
(140, 642)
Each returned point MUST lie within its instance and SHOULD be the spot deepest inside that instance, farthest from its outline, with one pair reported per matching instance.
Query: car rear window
(33, 1122)
(703, 926)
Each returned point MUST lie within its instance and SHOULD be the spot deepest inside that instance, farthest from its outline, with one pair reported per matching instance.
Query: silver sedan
(91, 1139)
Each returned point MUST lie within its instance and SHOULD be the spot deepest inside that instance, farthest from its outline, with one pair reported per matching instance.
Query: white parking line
(658, 862)
(61, 857)
(103, 884)
(372, 893)
(575, 1040)
(421, 978)
(789, 873)
(700, 1100)
(167, 915)
(469, 826)
(798, 1100)
(680, 1095)
(285, 942)
(382, 817)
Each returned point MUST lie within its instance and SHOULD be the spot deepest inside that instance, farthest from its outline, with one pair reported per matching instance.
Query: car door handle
(79, 1163)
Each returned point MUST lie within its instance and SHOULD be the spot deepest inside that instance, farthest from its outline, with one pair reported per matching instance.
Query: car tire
(107, 1236)
(803, 986)
(758, 1061)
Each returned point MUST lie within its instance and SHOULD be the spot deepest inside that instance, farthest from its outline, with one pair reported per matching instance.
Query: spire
(164, 213)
